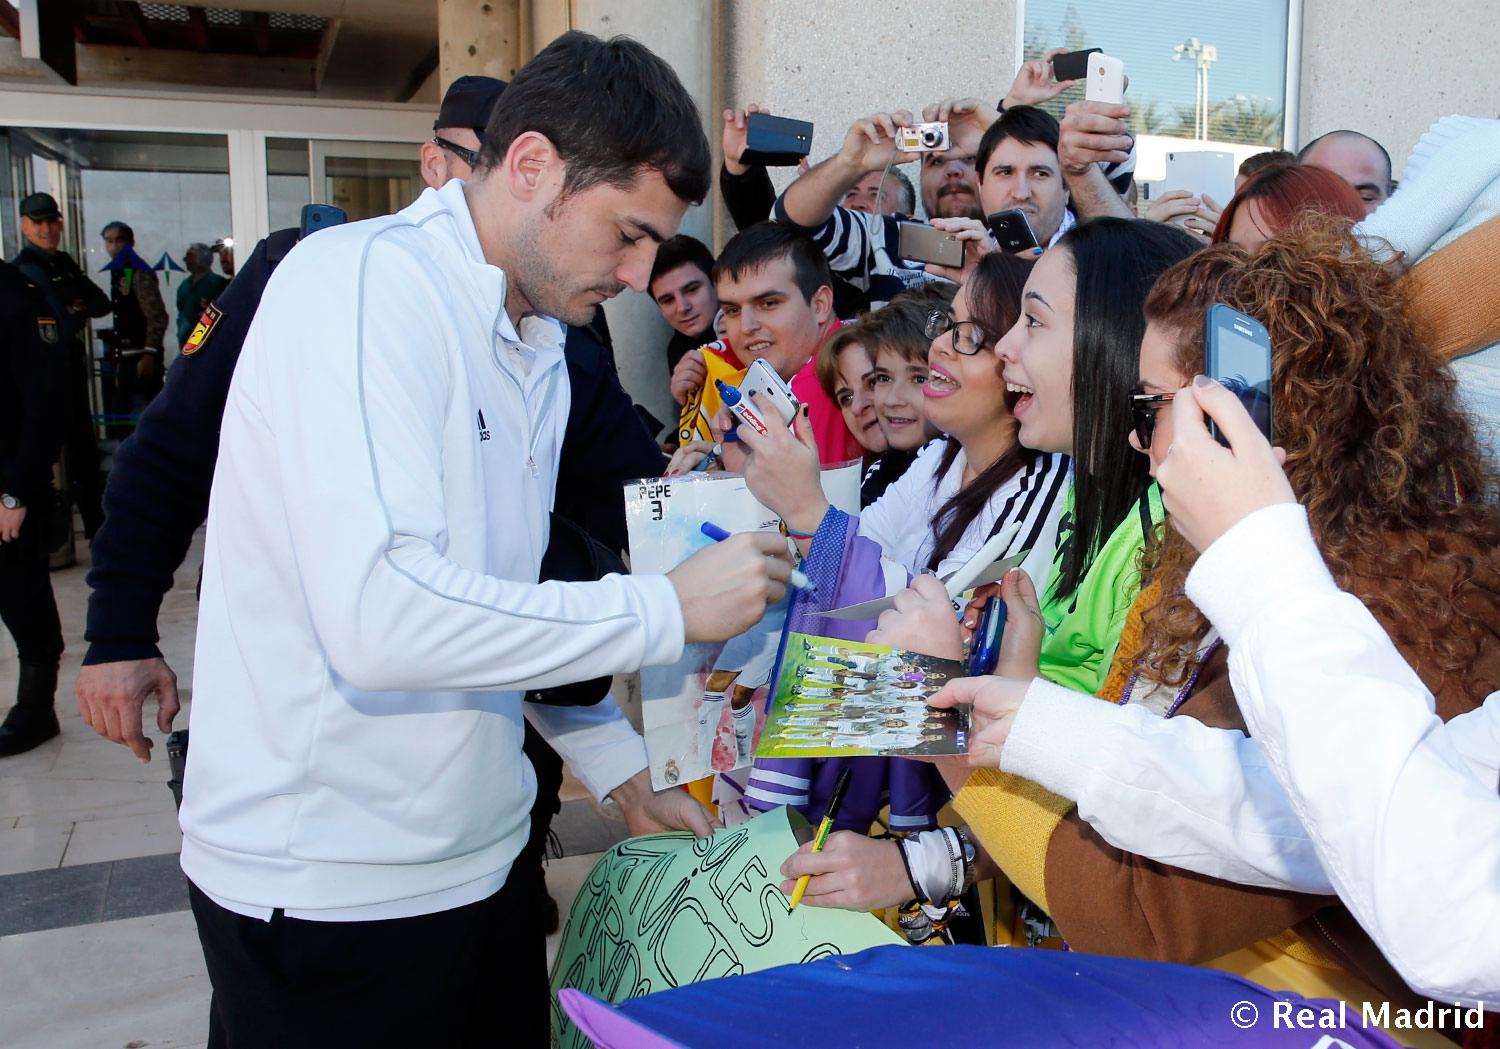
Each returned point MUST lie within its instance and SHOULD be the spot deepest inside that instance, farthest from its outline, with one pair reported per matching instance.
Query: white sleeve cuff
(664, 629)
(1257, 564)
(1059, 737)
(601, 748)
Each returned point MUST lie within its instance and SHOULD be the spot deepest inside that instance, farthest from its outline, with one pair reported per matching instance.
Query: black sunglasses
(1143, 409)
(968, 337)
(468, 156)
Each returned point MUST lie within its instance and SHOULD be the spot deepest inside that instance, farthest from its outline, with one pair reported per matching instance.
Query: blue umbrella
(128, 259)
(168, 263)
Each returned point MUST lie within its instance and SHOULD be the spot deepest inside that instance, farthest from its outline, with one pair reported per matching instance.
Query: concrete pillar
(838, 60)
(682, 33)
(478, 37)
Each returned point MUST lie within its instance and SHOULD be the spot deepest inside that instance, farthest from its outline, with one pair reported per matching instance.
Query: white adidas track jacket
(369, 614)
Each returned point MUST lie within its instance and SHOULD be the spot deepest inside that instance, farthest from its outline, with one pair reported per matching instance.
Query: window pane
(1246, 66)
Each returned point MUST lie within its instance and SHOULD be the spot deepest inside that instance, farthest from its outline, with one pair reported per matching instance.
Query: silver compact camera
(923, 138)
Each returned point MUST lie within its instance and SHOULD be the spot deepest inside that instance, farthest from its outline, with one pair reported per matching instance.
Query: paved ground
(96, 945)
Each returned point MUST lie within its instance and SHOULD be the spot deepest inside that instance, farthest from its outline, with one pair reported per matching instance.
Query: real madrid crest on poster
(202, 330)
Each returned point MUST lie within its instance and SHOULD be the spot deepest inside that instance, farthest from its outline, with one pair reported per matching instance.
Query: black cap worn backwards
(469, 102)
(40, 206)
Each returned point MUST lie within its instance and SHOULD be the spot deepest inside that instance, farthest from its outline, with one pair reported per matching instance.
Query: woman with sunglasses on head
(959, 492)
(1386, 464)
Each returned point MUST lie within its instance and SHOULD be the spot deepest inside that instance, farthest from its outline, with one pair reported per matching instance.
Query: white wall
(1389, 68)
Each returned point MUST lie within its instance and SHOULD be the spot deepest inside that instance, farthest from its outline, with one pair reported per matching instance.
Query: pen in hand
(829, 815)
(799, 578)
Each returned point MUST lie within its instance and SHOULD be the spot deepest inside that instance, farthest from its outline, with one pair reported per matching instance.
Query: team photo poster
(847, 699)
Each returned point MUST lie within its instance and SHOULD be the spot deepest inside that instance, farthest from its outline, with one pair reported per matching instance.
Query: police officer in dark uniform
(31, 368)
(73, 299)
(159, 487)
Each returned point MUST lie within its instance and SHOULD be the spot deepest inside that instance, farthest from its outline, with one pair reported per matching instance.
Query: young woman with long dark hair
(962, 489)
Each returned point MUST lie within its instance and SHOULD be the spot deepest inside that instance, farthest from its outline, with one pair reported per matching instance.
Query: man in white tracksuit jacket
(370, 616)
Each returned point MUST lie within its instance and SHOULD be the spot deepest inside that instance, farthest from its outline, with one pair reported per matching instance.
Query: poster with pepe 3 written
(703, 714)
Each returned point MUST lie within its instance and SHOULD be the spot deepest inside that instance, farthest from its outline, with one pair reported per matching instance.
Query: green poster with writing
(665, 910)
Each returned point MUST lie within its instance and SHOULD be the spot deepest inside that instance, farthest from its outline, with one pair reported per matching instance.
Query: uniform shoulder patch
(46, 327)
(202, 330)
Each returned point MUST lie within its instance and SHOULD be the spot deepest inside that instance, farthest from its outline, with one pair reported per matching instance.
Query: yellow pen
(829, 815)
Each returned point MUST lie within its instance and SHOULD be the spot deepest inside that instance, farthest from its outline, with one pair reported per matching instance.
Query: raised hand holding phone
(1208, 487)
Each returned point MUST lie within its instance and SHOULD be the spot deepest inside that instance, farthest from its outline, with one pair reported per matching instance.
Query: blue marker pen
(718, 535)
(741, 409)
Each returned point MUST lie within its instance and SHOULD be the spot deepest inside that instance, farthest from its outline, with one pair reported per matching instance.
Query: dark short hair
(681, 250)
(1345, 133)
(1026, 124)
(1258, 162)
(610, 108)
(753, 247)
(125, 231)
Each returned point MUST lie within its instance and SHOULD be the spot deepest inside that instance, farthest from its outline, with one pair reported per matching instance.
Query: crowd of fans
(1038, 388)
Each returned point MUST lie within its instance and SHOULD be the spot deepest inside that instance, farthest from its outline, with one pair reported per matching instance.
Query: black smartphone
(316, 216)
(1012, 231)
(1237, 352)
(776, 142)
(919, 242)
(1074, 65)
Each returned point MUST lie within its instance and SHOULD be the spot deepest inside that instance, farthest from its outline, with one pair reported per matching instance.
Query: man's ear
(531, 168)
(822, 304)
(432, 165)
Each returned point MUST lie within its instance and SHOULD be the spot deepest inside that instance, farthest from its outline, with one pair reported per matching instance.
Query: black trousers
(471, 976)
(80, 445)
(26, 602)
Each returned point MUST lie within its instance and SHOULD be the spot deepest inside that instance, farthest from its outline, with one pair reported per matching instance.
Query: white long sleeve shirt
(1349, 784)
(370, 615)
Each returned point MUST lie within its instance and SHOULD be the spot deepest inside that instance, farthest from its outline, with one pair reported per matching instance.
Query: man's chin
(960, 208)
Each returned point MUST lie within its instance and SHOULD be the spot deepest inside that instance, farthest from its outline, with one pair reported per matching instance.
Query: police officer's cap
(469, 102)
(40, 206)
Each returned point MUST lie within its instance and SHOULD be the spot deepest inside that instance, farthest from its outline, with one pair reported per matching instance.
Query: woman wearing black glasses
(963, 488)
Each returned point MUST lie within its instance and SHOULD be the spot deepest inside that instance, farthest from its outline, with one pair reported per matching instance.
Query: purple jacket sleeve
(846, 569)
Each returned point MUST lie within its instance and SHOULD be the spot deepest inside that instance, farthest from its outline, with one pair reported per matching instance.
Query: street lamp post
(1203, 55)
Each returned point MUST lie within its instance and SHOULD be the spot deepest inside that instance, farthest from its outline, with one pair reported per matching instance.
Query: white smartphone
(1106, 82)
(761, 378)
(1201, 172)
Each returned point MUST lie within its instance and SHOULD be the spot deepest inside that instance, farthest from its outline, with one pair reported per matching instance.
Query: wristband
(916, 890)
(935, 865)
(791, 533)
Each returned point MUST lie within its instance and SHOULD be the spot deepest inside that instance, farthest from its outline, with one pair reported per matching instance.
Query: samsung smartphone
(1203, 172)
(761, 378)
(1012, 231)
(776, 142)
(1237, 352)
(919, 242)
(1106, 79)
(1074, 65)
